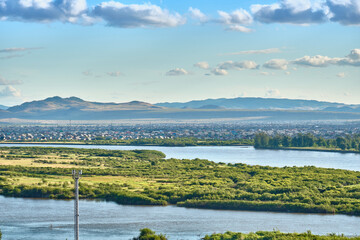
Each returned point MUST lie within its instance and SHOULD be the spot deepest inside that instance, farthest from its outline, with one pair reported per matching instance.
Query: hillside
(73, 108)
(260, 103)
(74, 103)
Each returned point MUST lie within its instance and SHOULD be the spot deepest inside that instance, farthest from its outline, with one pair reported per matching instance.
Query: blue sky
(158, 51)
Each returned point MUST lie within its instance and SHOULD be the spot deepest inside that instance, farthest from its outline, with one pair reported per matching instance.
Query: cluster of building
(200, 131)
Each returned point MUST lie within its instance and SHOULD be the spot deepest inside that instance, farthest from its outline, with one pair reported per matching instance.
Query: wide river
(237, 154)
(52, 219)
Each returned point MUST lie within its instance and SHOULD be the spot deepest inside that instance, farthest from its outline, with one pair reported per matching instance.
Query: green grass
(275, 235)
(145, 177)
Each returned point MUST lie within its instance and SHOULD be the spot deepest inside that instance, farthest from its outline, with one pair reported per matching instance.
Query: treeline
(350, 143)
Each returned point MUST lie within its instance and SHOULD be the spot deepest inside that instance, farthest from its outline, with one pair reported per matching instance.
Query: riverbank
(144, 177)
(313, 149)
(264, 235)
(147, 233)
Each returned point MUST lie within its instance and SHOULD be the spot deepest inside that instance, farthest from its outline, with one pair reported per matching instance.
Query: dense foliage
(145, 177)
(275, 235)
(147, 234)
(263, 140)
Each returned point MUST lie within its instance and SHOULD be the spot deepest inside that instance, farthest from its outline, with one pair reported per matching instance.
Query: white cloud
(10, 91)
(177, 72)
(289, 11)
(239, 16)
(136, 15)
(352, 59)
(272, 93)
(4, 81)
(346, 12)
(315, 61)
(13, 51)
(266, 73)
(354, 54)
(341, 75)
(262, 51)
(203, 65)
(239, 28)
(18, 49)
(114, 74)
(198, 15)
(234, 20)
(219, 72)
(76, 11)
(238, 65)
(43, 10)
(280, 64)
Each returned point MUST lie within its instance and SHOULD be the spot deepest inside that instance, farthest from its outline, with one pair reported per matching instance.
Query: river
(36, 219)
(239, 154)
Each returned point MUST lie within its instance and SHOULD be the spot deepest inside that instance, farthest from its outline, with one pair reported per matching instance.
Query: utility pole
(76, 177)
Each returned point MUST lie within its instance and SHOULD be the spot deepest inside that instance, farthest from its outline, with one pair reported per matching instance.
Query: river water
(238, 154)
(52, 219)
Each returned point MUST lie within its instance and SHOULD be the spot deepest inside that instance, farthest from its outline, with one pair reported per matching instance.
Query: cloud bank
(10, 91)
(117, 14)
(4, 81)
(113, 13)
(352, 59)
(135, 15)
(177, 72)
(289, 11)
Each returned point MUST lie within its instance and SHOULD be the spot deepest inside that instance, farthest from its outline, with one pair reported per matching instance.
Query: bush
(148, 234)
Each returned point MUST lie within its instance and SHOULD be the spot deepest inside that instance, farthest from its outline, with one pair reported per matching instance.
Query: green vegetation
(308, 141)
(145, 177)
(261, 140)
(147, 234)
(276, 235)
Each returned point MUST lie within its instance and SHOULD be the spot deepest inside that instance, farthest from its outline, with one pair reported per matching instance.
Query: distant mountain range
(259, 109)
(3, 107)
(74, 103)
(262, 103)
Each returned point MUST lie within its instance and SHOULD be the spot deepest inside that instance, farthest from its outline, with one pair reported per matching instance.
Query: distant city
(231, 131)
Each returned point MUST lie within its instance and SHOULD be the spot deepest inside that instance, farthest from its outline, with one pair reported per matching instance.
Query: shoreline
(189, 207)
(311, 150)
(209, 145)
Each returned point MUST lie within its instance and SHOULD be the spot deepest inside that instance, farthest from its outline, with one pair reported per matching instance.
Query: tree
(286, 141)
(261, 140)
(341, 143)
(148, 234)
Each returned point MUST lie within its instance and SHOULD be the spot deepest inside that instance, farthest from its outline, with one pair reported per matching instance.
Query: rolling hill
(257, 109)
(258, 103)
